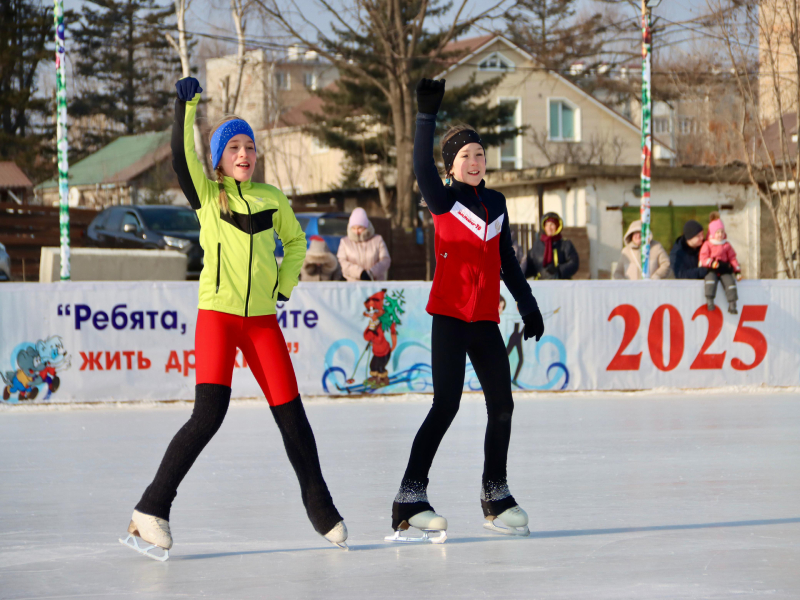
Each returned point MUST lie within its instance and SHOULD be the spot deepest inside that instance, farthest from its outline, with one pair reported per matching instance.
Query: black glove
(187, 88)
(429, 95)
(282, 298)
(365, 276)
(534, 325)
(552, 269)
(724, 268)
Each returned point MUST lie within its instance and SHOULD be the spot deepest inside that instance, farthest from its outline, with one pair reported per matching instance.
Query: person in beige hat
(320, 264)
(630, 262)
(363, 253)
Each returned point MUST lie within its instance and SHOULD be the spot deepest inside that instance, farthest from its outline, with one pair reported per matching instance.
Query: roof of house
(120, 161)
(296, 116)
(11, 176)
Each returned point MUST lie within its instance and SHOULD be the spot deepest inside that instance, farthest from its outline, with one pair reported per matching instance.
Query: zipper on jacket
(276, 275)
(250, 258)
(219, 262)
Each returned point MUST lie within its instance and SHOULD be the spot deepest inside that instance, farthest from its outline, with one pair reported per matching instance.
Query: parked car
(150, 226)
(331, 226)
(5, 264)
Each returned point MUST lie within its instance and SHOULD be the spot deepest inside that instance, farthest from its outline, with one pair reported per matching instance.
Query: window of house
(511, 149)
(660, 125)
(564, 121)
(281, 80)
(496, 62)
(310, 80)
(687, 125)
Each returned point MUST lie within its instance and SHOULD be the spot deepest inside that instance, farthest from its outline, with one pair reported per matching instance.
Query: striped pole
(647, 140)
(61, 138)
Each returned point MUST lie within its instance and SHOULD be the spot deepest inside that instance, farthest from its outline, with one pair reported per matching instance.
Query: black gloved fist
(429, 95)
(534, 325)
(282, 298)
(552, 269)
(187, 88)
(365, 276)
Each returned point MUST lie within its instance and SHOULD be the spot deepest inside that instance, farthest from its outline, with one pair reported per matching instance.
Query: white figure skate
(151, 530)
(428, 522)
(338, 535)
(513, 521)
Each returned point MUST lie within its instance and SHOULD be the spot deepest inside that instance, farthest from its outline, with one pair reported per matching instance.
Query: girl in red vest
(473, 251)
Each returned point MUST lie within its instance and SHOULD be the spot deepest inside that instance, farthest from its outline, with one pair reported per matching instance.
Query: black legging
(211, 404)
(451, 341)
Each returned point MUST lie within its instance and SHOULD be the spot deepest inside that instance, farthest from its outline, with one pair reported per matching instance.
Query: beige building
(269, 86)
(777, 62)
(565, 124)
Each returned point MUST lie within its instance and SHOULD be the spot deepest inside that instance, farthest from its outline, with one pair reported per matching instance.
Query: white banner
(116, 341)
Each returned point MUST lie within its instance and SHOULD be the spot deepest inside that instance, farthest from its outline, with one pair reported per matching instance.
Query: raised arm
(429, 98)
(191, 177)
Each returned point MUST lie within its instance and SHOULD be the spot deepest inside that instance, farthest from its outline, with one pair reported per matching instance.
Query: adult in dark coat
(551, 256)
(685, 254)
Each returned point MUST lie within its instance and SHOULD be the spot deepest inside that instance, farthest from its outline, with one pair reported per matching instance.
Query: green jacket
(240, 272)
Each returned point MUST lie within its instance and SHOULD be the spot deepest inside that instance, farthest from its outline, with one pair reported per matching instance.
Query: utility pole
(647, 133)
(61, 138)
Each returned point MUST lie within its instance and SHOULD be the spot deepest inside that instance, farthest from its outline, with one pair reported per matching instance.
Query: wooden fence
(26, 228)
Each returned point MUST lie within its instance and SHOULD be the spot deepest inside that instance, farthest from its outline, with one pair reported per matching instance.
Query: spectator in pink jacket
(363, 255)
(719, 257)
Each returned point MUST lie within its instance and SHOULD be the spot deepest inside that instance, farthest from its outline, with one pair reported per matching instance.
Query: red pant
(261, 340)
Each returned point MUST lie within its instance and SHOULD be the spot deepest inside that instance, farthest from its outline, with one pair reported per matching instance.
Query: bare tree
(598, 150)
(397, 27)
(181, 46)
(770, 104)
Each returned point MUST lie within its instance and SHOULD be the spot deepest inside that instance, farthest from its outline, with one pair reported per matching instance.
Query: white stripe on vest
(474, 223)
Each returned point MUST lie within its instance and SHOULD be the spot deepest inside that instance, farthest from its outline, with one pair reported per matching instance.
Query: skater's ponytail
(223, 197)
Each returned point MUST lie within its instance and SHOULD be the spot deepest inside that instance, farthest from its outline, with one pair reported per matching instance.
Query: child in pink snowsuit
(719, 257)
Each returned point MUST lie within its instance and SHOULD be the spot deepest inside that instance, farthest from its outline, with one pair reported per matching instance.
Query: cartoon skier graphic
(36, 363)
(383, 312)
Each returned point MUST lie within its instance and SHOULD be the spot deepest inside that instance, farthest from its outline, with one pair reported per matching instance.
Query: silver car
(5, 264)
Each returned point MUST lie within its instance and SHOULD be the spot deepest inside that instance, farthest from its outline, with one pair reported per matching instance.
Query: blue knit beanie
(223, 135)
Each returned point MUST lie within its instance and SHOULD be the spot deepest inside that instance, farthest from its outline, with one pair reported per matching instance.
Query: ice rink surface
(645, 496)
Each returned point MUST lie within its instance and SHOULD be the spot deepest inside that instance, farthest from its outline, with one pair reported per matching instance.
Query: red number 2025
(655, 338)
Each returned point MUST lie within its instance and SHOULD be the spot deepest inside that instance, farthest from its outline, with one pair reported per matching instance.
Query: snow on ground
(653, 495)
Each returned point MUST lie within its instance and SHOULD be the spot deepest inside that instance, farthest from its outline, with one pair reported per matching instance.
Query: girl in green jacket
(239, 287)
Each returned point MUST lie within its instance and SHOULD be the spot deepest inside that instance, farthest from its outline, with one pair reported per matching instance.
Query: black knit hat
(456, 143)
(691, 229)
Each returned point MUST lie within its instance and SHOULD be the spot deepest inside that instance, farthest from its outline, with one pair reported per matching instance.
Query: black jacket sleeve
(430, 184)
(568, 261)
(512, 273)
(179, 163)
(532, 264)
(678, 262)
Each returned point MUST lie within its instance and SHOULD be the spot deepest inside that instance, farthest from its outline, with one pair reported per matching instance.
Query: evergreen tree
(26, 28)
(551, 32)
(127, 68)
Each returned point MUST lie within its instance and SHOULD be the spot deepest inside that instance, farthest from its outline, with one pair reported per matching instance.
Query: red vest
(466, 284)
